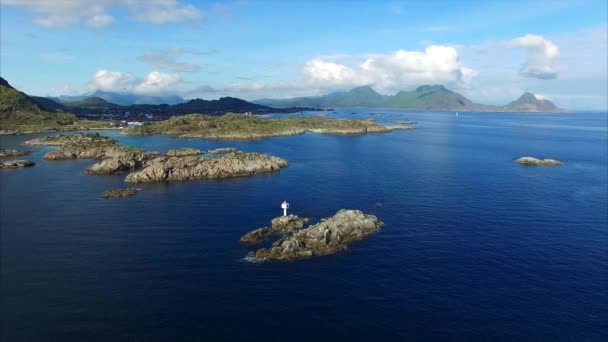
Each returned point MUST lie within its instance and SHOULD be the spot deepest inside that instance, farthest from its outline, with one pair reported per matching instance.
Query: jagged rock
(4, 153)
(233, 164)
(16, 163)
(222, 150)
(538, 162)
(185, 151)
(330, 236)
(280, 225)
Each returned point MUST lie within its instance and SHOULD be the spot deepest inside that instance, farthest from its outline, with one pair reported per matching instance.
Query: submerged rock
(117, 193)
(538, 162)
(233, 164)
(330, 236)
(185, 151)
(280, 225)
(4, 153)
(10, 164)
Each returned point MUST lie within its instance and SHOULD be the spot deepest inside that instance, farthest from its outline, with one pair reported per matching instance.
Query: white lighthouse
(284, 205)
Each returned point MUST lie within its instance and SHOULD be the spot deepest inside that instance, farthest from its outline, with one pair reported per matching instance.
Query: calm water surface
(475, 246)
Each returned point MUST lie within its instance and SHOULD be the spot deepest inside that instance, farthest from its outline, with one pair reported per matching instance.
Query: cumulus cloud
(437, 64)
(94, 13)
(168, 59)
(154, 83)
(541, 55)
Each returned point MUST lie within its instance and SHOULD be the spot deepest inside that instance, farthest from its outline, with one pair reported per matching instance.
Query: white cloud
(163, 11)
(437, 64)
(94, 13)
(124, 82)
(540, 56)
(100, 20)
(156, 83)
(167, 59)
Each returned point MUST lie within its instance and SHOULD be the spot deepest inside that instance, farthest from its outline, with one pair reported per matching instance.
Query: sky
(490, 51)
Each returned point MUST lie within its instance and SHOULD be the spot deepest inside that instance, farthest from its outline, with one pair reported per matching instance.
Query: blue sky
(489, 51)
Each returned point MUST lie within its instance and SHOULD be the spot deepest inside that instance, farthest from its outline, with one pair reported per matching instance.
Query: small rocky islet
(119, 193)
(9, 153)
(176, 165)
(538, 162)
(331, 235)
(13, 164)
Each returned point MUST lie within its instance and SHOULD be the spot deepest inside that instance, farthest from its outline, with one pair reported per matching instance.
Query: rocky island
(176, 165)
(331, 235)
(118, 193)
(233, 164)
(243, 127)
(11, 164)
(538, 162)
(5, 153)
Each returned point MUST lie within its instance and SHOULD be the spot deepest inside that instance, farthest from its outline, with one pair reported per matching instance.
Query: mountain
(224, 104)
(429, 97)
(91, 103)
(530, 103)
(124, 99)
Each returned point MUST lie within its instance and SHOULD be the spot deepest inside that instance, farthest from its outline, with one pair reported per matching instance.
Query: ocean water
(474, 247)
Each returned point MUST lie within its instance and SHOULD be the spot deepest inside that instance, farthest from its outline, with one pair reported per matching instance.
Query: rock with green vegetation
(11, 164)
(235, 164)
(222, 150)
(329, 236)
(185, 151)
(6, 153)
(20, 114)
(538, 162)
(243, 127)
(280, 225)
(118, 193)
(89, 139)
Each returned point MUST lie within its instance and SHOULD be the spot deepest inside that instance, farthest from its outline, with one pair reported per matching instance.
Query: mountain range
(429, 97)
(123, 99)
(13, 101)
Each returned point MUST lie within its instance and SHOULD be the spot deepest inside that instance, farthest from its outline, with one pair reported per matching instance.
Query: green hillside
(21, 114)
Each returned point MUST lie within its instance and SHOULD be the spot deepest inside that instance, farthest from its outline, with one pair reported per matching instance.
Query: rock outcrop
(222, 150)
(538, 162)
(178, 164)
(82, 139)
(233, 164)
(117, 193)
(11, 164)
(330, 236)
(280, 225)
(185, 151)
(4, 153)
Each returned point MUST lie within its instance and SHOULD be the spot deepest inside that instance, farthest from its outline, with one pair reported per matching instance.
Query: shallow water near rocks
(474, 247)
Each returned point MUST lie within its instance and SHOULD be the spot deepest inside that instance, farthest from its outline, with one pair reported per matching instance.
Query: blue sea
(475, 247)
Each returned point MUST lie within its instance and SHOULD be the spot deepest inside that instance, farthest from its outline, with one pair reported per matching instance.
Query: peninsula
(238, 126)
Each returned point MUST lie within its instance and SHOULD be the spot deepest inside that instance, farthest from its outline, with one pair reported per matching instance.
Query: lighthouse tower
(284, 205)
